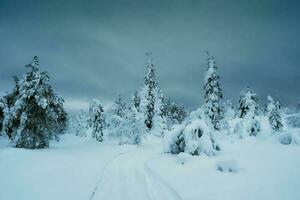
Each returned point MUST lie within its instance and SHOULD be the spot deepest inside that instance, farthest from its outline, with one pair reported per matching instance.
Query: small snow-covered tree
(273, 110)
(36, 111)
(9, 122)
(136, 100)
(132, 127)
(148, 94)
(97, 120)
(213, 94)
(120, 106)
(248, 111)
(1, 114)
(248, 104)
(159, 118)
(229, 110)
(80, 123)
(176, 114)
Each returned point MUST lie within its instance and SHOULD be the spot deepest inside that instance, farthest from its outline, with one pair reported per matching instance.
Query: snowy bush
(290, 137)
(173, 140)
(293, 120)
(194, 138)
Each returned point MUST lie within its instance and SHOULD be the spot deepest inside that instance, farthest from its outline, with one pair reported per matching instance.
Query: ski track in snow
(128, 176)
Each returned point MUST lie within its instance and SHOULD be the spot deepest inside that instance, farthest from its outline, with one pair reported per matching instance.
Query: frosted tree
(274, 114)
(213, 94)
(120, 106)
(248, 104)
(248, 110)
(229, 110)
(37, 112)
(1, 114)
(9, 122)
(97, 120)
(136, 100)
(81, 123)
(176, 114)
(148, 94)
(160, 116)
(132, 127)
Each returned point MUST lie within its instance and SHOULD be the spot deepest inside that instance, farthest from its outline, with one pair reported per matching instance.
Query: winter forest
(149, 100)
(33, 117)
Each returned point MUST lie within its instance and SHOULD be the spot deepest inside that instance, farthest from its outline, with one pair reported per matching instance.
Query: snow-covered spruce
(273, 111)
(1, 114)
(97, 120)
(175, 114)
(34, 113)
(194, 138)
(148, 94)
(136, 99)
(120, 106)
(132, 127)
(248, 111)
(160, 117)
(248, 104)
(80, 124)
(213, 94)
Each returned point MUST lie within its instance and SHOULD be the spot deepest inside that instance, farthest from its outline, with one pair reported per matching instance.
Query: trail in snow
(128, 176)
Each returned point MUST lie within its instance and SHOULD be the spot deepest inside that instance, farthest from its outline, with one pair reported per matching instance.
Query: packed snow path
(129, 176)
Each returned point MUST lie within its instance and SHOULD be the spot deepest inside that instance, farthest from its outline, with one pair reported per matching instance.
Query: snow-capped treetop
(34, 64)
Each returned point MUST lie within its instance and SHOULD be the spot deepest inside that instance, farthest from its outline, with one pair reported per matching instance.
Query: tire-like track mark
(128, 176)
(104, 169)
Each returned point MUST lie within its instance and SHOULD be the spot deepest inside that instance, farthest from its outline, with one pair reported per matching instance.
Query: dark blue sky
(96, 49)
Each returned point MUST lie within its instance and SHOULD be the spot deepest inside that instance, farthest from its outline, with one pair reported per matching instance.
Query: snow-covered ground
(81, 168)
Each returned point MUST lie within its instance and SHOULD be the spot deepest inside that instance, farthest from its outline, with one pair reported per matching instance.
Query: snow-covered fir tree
(229, 110)
(1, 114)
(8, 125)
(176, 114)
(132, 127)
(136, 100)
(35, 113)
(80, 123)
(273, 110)
(248, 110)
(97, 120)
(248, 104)
(120, 106)
(160, 115)
(213, 94)
(148, 94)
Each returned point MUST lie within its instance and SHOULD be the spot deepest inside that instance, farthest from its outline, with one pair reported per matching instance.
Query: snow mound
(229, 165)
(291, 137)
(183, 158)
(195, 138)
(293, 120)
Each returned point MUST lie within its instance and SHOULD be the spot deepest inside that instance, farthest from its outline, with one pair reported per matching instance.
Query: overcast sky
(96, 49)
